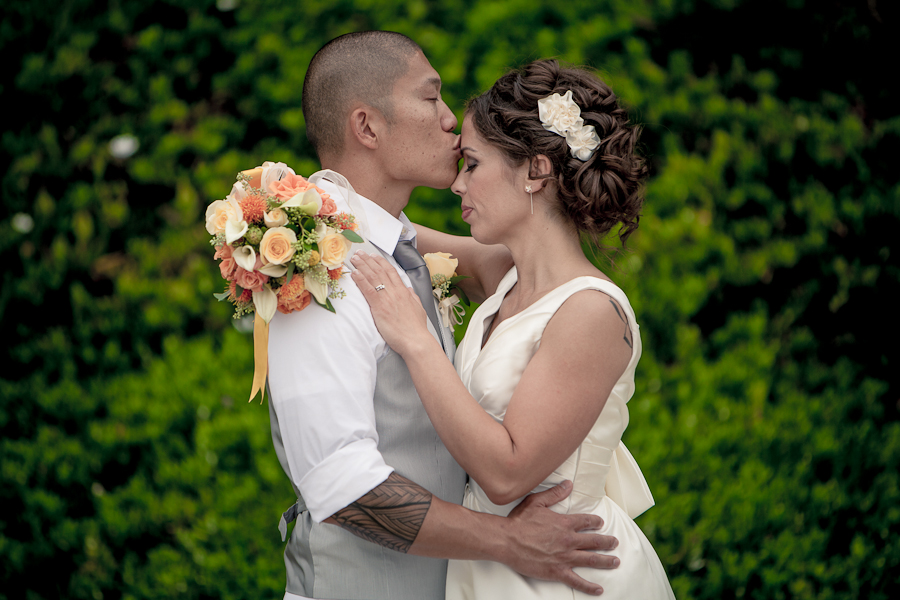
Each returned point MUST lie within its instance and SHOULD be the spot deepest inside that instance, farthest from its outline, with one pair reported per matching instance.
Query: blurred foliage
(766, 414)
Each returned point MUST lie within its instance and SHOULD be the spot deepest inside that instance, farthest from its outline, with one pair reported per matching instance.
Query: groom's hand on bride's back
(548, 545)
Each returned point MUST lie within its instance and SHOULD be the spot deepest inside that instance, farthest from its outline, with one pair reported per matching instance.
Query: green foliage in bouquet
(763, 275)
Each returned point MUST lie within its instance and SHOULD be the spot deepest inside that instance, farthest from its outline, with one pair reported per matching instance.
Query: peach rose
(440, 263)
(329, 208)
(251, 280)
(277, 245)
(293, 295)
(333, 249)
(227, 267)
(289, 186)
(223, 251)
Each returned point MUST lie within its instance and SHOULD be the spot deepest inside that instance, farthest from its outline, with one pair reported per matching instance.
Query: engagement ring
(379, 287)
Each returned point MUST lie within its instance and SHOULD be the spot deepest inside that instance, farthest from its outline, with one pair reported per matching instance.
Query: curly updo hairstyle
(595, 195)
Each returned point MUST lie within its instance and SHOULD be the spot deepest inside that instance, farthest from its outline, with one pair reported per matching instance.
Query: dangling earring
(528, 189)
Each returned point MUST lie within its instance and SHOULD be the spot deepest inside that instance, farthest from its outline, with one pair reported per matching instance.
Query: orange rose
(289, 186)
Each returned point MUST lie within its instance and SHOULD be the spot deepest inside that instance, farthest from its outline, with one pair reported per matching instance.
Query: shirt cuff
(342, 478)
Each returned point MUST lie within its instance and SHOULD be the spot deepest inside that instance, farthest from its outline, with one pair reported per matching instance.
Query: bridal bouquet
(282, 244)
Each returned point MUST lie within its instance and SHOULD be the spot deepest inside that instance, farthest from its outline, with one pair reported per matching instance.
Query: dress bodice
(601, 465)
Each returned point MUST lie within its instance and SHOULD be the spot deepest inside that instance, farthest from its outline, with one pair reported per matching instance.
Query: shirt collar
(384, 230)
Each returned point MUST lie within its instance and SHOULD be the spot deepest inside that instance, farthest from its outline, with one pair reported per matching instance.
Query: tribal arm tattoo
(390, 515)
(627, 334)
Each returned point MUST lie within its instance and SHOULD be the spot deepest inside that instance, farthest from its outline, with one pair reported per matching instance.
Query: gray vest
(326, 561)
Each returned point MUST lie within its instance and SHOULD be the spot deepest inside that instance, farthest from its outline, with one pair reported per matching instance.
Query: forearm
(533, 540)
(403, 516)
(480, 444)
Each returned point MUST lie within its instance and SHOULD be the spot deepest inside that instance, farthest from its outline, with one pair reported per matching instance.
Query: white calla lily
(245, 257)
(266, 302)
(316, 286)
(309, 202)
(273, 270)
(236, 226)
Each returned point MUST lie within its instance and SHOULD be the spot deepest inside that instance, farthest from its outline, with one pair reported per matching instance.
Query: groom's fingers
(595, 541)
(571, 579)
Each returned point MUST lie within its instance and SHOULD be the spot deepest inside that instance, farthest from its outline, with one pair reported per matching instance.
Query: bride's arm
(484, 265)
(559, 397)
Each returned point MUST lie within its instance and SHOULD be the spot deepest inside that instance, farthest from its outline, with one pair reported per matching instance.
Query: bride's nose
(458, 186)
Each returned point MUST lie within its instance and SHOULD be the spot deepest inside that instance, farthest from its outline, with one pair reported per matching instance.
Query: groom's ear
(367, 125)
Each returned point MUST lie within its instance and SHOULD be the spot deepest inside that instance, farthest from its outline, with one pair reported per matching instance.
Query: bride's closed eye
(470, 166)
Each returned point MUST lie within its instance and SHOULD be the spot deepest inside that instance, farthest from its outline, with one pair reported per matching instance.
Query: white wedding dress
(607, 481)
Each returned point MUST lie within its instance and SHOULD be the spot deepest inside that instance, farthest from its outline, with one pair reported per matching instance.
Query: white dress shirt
(322, 368)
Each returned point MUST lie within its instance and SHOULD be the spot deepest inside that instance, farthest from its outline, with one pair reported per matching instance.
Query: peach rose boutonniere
(442, 268)
(282, 242)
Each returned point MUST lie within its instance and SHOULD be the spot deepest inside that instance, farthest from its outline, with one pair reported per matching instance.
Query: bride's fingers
(380, 268)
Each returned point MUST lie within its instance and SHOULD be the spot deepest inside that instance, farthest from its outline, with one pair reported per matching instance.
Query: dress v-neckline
(515, 279)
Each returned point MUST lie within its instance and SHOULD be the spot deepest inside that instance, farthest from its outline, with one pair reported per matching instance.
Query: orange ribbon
(260, 357)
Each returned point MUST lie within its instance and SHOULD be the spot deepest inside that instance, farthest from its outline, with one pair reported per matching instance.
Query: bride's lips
(466, 210)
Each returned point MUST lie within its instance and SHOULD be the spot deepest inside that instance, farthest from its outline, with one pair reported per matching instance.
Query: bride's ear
(539, 167)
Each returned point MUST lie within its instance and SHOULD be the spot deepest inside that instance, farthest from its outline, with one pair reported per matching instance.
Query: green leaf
(221, 297)
(457, 278)
(352, 236)
(462, 295)
(289, 274)
(238, 290)
(327, 305)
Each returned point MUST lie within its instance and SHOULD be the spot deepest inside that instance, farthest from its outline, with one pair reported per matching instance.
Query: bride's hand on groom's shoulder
(548, 545)
(396, 309)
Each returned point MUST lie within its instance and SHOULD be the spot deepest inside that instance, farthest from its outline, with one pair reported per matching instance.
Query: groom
(378, 493)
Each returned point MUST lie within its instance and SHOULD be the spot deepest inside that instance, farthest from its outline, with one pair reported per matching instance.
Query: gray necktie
(412, 262)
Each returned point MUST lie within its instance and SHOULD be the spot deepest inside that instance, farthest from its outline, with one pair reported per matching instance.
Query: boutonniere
(442, 269)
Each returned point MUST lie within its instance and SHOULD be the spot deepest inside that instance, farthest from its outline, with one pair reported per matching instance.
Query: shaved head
(354, 67)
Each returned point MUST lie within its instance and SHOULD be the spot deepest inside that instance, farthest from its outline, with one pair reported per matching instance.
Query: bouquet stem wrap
(260, 357)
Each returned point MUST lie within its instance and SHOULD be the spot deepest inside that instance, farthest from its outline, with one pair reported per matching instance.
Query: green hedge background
(766, 416)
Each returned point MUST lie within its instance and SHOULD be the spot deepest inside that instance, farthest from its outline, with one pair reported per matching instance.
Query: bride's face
(421, 145)
(491, 192)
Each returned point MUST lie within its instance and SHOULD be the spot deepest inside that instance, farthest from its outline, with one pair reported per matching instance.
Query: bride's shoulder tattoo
(390, 515)
(627, 335)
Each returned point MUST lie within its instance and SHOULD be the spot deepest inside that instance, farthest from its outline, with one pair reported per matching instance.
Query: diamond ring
(379, 287)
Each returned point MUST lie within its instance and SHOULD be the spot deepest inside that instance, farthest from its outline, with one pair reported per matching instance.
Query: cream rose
(559, 114)
(440, 263)
(218, 214)
(333, 249)
(277, 245)
(275, 218)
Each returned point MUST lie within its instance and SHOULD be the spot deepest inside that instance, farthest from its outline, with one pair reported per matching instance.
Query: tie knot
(407, 256)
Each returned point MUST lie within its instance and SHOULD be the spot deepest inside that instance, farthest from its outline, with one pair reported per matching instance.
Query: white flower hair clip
(562, 116)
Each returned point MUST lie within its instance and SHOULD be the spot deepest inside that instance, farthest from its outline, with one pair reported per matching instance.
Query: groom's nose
(448, 119)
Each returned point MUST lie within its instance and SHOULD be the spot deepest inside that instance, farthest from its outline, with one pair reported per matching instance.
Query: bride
(547, 364)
